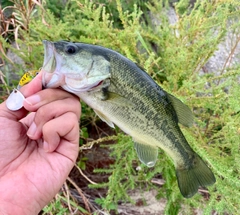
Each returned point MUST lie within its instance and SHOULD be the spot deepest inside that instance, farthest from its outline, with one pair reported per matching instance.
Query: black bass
(123, 94)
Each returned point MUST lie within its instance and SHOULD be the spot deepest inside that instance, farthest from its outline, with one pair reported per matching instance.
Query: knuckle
(74, 106)
(72, 117)
(42, 114)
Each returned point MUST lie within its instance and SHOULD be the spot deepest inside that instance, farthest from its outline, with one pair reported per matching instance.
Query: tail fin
(197, 175)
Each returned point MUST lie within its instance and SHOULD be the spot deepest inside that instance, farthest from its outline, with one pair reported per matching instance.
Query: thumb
(27, 90)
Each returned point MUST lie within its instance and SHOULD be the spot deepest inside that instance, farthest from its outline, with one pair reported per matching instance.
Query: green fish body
(123, 94)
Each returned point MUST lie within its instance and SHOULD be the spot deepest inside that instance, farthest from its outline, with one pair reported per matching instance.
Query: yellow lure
(27, 77)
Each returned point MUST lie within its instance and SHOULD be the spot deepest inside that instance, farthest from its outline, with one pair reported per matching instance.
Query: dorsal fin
(184, 114)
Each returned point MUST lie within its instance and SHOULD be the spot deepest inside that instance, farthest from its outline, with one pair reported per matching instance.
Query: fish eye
(70, 49)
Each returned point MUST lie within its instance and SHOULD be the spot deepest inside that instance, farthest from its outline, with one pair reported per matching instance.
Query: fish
(123, 94)
(27, 77)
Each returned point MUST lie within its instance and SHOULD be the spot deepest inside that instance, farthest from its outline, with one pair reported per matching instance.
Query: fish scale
(123, 94)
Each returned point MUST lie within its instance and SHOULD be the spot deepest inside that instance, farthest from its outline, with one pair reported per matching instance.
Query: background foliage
(175, 55)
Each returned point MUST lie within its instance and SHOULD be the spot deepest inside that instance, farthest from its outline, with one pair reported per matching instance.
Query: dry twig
(81, 172)
(85, 200)
(89, 145)
(3, 81)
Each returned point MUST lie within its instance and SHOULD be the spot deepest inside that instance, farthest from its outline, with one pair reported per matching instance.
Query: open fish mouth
(51, 64)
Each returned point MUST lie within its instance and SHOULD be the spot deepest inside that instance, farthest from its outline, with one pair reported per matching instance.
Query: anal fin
(147, 154)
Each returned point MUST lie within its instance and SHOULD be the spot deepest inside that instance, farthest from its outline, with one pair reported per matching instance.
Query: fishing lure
(15, 100)
(27, 77)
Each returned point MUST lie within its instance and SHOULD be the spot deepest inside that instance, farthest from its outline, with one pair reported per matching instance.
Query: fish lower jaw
(53, 80)
(81, 89)
(78, 88)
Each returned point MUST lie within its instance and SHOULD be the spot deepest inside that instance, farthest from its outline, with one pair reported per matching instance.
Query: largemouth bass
(123, 94)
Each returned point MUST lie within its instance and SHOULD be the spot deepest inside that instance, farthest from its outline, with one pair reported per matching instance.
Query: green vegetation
(175, 55)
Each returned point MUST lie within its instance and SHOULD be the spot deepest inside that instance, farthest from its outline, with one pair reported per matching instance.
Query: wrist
(18, 195)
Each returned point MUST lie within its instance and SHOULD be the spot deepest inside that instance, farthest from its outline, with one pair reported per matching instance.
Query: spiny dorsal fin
(147, 154)
(184, 114)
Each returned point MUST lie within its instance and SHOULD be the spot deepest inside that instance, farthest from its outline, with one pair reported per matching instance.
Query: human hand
(37, 150)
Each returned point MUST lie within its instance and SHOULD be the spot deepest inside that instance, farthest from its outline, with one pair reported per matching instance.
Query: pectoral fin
(184, 114)
(114, 98)
(104, 118)
(146, 153)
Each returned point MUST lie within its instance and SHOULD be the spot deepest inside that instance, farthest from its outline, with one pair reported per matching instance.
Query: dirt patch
(146, 204)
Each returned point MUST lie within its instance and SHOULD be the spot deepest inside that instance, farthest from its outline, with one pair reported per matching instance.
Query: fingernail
(45, 146)
(32, 100)
(32, 130)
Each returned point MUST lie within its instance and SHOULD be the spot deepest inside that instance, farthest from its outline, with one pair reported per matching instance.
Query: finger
(50, 111)
(62, 134)
(44, 97)
(28, 120)
(34, 86)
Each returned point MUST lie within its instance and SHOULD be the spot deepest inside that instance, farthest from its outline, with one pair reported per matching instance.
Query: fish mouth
(51, 65)
(70, 74)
